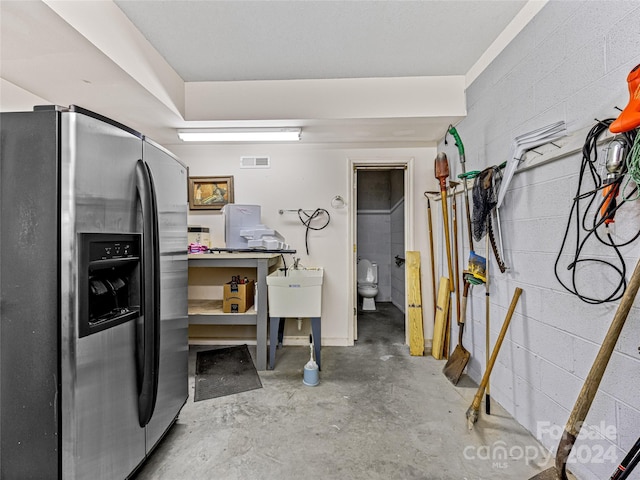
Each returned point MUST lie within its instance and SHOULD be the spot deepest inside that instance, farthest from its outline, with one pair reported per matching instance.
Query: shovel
(591, 383)
(460, 357)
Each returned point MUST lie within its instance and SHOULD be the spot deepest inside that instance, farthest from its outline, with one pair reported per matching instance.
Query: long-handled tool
(456, 284)
(591, 383)
(431, 251)
(463, 176)
(456, 260)
(460, 356)
(441, 169)
(628, 464)
(487, 309)
(472, 412)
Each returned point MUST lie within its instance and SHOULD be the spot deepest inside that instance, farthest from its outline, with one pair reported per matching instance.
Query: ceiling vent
(255, 162)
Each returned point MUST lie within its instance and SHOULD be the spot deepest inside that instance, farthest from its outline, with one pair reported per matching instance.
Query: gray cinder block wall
(570, 63)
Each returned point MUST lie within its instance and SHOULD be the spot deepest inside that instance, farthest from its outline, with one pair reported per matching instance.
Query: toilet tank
(367, 271)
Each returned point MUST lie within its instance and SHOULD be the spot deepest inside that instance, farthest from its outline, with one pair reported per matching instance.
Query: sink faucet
(295, 263)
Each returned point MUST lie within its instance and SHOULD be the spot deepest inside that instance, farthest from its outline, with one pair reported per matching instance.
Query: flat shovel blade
(456, 364)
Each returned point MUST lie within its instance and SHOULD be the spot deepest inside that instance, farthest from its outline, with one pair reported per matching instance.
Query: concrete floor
(378, 413)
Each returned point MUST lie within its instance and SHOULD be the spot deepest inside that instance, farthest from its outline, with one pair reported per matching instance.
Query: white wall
(398, 272)
(570, 63)
(306, 176)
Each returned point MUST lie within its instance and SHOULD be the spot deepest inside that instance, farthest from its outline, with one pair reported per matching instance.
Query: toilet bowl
(367, 283)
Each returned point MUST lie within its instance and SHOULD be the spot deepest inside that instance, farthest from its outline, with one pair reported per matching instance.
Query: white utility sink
(295, 292)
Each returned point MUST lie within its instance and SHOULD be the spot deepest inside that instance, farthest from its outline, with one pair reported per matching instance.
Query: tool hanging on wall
(431, 250)
(463, 177)
(474, 409)
(629, 118)
(474, 276)
(487, 332)
(522, 144)
(589, 212)
(441, 168)
(485, 191)
(591, 383)
(460, 357)
(456, 260)
(616, 167)
(476, 263)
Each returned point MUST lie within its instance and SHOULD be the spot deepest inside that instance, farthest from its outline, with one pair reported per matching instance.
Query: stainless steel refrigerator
(93, 276)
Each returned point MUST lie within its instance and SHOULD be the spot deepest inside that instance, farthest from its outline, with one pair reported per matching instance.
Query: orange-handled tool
(608, 208)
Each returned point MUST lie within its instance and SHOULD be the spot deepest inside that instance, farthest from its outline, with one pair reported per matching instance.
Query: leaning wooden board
(439, 327)
(414, 301)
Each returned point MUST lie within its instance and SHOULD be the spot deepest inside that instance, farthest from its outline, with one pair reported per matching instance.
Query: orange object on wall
(630, 116)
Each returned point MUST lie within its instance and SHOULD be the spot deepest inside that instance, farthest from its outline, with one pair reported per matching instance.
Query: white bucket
(311, 376)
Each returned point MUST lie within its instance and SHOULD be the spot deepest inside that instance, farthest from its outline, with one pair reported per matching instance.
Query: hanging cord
(307, 222)
(590, 221)
(633, 167)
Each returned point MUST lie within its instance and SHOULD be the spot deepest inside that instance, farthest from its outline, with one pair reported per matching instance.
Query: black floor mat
(225, 371)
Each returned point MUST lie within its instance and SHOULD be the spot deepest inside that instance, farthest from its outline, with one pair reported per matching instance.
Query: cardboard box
(238, 298)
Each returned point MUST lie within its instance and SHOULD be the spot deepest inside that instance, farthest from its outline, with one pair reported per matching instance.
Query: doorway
(381, 220)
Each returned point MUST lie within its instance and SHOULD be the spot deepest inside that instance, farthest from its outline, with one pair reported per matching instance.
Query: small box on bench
(238, 297)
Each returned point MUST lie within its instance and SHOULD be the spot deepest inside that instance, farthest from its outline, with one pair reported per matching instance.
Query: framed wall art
(210, 193)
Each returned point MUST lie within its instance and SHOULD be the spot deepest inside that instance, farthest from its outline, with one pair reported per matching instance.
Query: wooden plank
(442, 311)
(414, 301)
(447, 332)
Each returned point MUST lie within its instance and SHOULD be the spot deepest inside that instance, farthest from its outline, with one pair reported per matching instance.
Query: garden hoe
(472, 412)
(591, 383)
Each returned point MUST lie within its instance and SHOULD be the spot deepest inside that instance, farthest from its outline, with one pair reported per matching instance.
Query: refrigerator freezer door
(101, 437)
(170, 180)
(29, 288)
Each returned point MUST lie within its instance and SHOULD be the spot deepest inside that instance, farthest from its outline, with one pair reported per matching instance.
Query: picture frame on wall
(210, 193)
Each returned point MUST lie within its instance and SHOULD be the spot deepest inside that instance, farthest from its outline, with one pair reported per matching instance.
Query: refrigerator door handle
(148, 386)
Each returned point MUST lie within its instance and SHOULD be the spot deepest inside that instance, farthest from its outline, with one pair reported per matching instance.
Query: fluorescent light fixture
(240, 135)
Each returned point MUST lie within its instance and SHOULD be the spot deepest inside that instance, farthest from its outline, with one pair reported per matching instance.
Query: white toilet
(367, 283)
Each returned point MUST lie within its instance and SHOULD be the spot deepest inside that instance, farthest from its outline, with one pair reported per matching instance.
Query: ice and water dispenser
(109, 281)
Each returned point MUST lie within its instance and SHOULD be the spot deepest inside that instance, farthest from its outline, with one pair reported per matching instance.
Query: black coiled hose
(588, 222)
(306, 221)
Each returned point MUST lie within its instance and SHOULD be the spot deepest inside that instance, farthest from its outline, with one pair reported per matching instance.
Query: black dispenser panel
(110, 282)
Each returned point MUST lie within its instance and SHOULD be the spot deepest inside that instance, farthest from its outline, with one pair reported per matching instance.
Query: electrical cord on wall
(633, 162)
(317, 213)
(589, 222)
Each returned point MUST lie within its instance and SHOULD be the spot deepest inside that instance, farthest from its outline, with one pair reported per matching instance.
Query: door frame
(377, 163)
